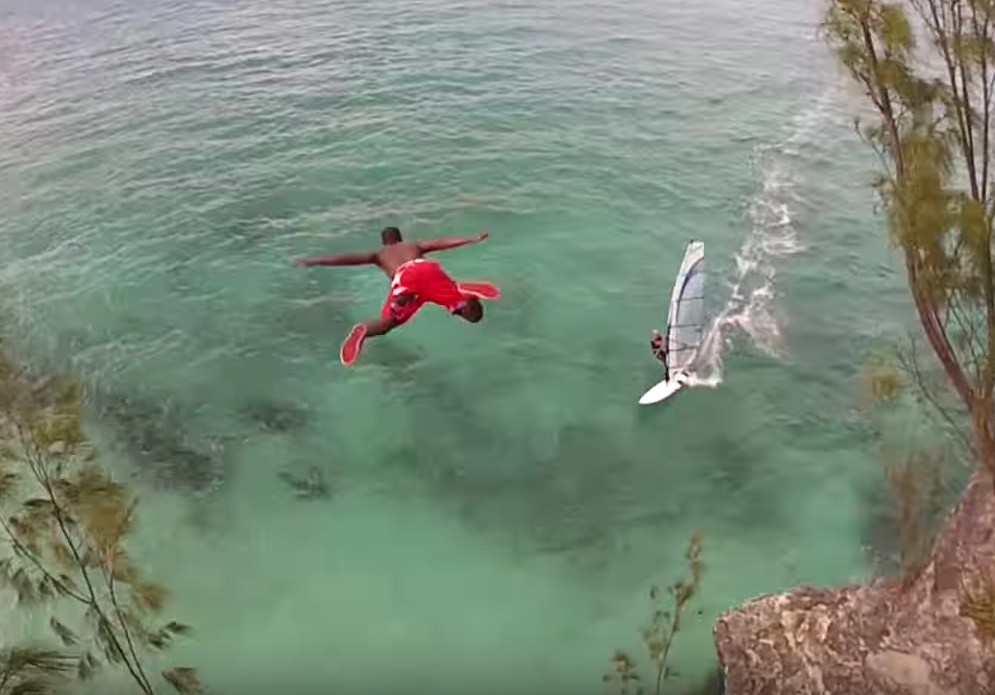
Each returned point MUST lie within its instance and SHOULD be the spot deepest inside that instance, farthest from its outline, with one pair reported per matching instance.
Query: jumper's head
(390, 235)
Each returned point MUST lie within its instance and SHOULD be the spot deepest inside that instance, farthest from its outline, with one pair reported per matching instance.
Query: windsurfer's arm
(451, 242)
(359, 258)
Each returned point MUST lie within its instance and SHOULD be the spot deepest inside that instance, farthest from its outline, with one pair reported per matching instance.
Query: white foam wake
(772, 238)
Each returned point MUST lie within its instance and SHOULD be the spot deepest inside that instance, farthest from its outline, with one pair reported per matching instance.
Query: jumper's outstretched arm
(359, 258)
(452, 242)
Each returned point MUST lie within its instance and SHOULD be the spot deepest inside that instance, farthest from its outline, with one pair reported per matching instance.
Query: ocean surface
(500, 505)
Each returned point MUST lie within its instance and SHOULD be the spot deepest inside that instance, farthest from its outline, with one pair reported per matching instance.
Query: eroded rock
(882, 638)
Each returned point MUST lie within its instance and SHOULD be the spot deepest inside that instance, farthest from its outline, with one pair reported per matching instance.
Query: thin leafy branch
(67, 523)
(624, 675)
(665, 624)
(34, 671)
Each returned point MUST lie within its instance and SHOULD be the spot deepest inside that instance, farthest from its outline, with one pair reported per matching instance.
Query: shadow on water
(313, 314)
(879, 534)
(734, 460)
(726, 463)
(576, 500)
(579, 496)
(881, 531)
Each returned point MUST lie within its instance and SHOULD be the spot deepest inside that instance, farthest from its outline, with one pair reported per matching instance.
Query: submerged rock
(313, 486)
(274, 416)
(934, 636)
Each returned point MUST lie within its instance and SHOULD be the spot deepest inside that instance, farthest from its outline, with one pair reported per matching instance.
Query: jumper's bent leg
(353, 344)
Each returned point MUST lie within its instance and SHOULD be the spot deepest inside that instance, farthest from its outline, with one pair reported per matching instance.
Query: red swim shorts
(416, 282)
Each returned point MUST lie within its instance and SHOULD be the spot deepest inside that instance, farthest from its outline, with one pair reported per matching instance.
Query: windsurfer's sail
(685, 319)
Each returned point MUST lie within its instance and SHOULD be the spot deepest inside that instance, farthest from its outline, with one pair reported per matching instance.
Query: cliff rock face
(879, 639)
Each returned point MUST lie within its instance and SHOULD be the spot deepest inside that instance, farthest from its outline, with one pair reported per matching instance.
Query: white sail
(685, 326)
(686, 316)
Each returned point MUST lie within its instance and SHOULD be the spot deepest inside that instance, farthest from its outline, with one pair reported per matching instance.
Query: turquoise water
(501, 504)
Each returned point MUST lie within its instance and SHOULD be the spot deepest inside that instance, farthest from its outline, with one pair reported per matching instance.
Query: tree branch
(24, 552)
(59, 514)
(109, 579)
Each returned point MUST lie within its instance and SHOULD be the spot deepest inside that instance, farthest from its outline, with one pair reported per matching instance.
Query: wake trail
(772, 238)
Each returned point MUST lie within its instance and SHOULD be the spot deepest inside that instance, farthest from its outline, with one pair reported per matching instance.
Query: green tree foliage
(34, 671)
(927, 71)
(67, 522)
(664, 625)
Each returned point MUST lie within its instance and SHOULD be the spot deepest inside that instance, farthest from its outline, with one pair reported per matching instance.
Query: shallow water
(501, 505)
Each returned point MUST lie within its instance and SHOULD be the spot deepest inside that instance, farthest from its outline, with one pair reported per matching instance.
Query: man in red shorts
(415, 280)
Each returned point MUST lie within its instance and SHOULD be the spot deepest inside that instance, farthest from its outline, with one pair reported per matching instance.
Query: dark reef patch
(153, 434)
(271, 415)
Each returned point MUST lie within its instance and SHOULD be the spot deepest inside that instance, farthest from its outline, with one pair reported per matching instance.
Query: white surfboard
(685, 326)
(662, 391)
